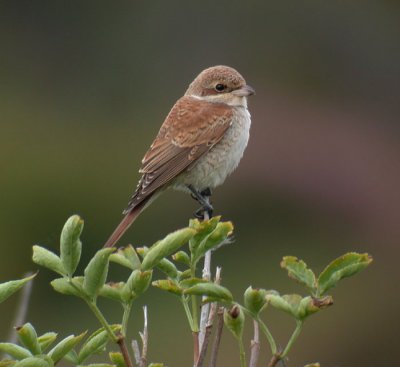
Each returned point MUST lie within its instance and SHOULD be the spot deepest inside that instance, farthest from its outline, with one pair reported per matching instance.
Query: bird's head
(221, 84)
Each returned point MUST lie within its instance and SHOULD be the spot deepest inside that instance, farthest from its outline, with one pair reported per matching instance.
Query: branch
(124, 350)
(217, 338)
(145, 339)
(255, 345)
(205, 308)
(141, 357)
(274, 360)
(203, 352)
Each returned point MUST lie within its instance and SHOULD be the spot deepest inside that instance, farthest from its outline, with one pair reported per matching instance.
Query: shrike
(199, 144)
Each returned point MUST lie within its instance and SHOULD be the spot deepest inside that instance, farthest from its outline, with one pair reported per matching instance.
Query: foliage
(179, 267)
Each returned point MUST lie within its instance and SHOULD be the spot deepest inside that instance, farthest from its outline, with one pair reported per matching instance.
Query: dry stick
(274, 360)
(217, 338)
(255, 345)
(203, 352)
(124, 351)
(22, 308)
(195, 335)
(145, 339)
(136, 351)
(205, 308)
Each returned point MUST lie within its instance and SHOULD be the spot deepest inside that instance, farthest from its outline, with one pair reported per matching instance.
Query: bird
(199, 144)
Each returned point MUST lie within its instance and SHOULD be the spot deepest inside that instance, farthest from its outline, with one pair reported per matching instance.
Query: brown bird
(199, 144)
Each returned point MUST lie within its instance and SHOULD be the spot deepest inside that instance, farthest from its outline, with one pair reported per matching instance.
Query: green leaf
(28, 337)
(96, 272)
(113, 291)
(297, 270)
(100, 365)
(15, 351)
(32, 362)
(212, 290)
(70, 244)
(47, 259)
(288, 303)
(234, 321)
(168, 268)
(72, 357)
(156, 365)
(7, 362)
(46, 340)
(117, 358)
(95, 343)
(190, 282)
(254, 299)
(64, 346)
(181, 257)
(297, 306)
(342, 267)
(203, 229)
(213, 240)
(166, 247)
(137, 283)
(126, 256)
(69, 287)
(9, 288)
(168, 285)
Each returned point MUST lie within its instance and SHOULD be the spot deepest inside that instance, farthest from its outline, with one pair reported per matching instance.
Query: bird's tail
(125, 224)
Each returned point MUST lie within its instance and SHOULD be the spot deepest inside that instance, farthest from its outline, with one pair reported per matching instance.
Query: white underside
(215, 166)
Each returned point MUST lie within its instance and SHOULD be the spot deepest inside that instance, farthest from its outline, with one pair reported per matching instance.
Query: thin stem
(124, 351)
(196, 350)
(195, 310)
(268, 334)
(296, 333)
(217, 338)
(242, 353)
(102, 320)
(125, 318)
(255, 345)
(187, 311)
(145, 339)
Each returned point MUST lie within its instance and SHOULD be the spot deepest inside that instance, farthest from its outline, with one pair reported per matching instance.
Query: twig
(136, 351)
(124, 351)
(205, 308)
(274, 360)
(217, 338)
(195, 335)
(255, 346)
(22, 308)
(203, 351)
(145, 339)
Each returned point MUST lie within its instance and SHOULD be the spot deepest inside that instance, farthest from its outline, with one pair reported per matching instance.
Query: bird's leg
(203, 198)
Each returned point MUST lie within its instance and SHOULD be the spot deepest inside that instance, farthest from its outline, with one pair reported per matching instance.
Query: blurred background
(84, 87)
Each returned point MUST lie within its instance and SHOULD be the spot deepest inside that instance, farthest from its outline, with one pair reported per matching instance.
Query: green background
(84, 87)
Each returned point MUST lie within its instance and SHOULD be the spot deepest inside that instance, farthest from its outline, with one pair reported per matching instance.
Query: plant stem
(102, 320)
(296, 333)
(125, 317)
(268, 334)
(124, 351)
(187, 311)
(195, 310)
(242, 353)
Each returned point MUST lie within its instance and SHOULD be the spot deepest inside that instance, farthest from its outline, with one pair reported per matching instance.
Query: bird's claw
(199, 214)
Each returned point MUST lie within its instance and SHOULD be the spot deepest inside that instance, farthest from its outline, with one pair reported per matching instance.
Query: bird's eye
(220, 87)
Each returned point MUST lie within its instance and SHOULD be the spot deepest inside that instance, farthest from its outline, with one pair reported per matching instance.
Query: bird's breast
(221, 160)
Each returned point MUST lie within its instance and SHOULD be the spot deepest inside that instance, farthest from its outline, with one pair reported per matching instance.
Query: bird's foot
(200, 213)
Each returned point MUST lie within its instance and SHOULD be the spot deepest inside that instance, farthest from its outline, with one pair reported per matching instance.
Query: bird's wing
(191, 129)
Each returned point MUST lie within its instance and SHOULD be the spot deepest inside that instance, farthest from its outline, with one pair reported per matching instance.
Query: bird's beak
(244, 91)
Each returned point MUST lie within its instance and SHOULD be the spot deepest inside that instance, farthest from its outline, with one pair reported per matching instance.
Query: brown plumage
(197, 123)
